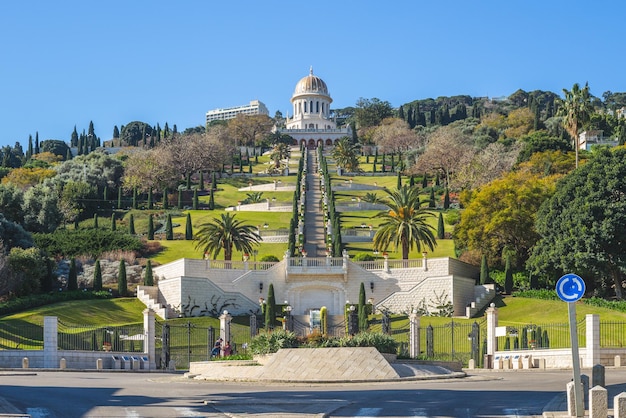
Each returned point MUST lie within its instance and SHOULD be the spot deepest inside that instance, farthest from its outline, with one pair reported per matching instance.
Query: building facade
(311, 123)
(255, 107)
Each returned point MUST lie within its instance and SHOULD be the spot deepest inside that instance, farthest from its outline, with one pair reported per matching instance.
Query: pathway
(314, 239)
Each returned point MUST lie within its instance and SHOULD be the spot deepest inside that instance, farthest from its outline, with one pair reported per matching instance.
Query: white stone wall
(187, 285)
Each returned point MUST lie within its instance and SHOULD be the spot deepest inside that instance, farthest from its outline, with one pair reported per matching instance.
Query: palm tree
(576, 110)
(405, 224)
(346, 155)
(223, 233)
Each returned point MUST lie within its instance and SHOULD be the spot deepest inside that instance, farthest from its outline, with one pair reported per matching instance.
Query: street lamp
(353, 322)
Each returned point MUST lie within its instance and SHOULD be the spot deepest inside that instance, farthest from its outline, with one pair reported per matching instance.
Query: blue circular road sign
(570, 288)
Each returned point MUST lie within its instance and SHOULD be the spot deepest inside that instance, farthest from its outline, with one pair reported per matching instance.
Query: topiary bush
(271, 342)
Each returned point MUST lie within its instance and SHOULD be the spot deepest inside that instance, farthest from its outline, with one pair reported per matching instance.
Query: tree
(484, 270)
(508, 276)
(502, 215)
(346, 155)
(431, 200)
(371, 112)
(148, 277)
(582, 226)
(27, 270)
(13, 235)
(405, 224)
(362, 309)
(72, 278)
(11, 200)
(225, 232)
(188, 228)
(169, 230)
(441, 234)
(249, 130)
(97, 277)
(150, 227)
(270, 308)
(446, 199)
(576, 110)
(113, 223)
(194, 204)
(122, 284)
(95, 221)
(131, 224)
(41, 209)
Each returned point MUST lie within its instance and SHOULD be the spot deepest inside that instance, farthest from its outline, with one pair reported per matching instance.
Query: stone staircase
(483, 294)
(149, 295)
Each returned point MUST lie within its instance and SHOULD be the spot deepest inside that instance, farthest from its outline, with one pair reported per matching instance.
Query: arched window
(311, 107)
(317, 107)
(305, 107)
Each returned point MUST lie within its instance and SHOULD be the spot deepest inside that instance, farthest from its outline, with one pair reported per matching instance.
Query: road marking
(39, 413)
(131, 413)
(188, 412)
(419, 412)
(368, 412)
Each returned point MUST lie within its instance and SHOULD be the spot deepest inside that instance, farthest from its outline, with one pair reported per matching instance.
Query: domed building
(311, 123)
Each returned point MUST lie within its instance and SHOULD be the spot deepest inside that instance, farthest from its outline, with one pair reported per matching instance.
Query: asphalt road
(108, 394)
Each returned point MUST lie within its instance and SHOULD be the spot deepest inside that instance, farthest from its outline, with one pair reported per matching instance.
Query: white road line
(368, 412)
(419, 412)
(188, 412)
(131, 413)
(39, 413)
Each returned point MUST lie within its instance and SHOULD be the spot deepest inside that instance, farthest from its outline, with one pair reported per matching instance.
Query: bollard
(617, 361)
(99, 364)
(62, 364)
(571, 399)
(25, 363)
(598, 376)
(598, 402)
(471, 364)
(619, 405)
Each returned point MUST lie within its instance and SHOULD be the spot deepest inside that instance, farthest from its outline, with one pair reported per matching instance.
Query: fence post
(592, 352)
(475, 338)
(225, 320)
(50, 341)
(414, 332)
(149, 337)
(492, 323)
(430, 342)
(165, 346)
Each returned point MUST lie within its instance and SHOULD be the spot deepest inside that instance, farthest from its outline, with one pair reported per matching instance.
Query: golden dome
(311, 84)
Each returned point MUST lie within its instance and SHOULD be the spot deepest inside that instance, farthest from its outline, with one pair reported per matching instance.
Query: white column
(149, 337)
(225, 320)
(414, 339)
(50, 342)
(592, 352)
(492, 323)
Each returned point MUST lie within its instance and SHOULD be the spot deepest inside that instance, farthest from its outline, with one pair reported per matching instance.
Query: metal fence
(536, 336)
(612, 334)
(21, 336)
(127, 338)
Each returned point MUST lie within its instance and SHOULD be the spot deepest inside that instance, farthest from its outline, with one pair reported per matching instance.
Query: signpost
(571, 288)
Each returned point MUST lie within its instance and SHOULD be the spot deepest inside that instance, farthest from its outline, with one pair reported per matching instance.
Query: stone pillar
(149, 337)
(414, 335)
(225, 320)
(598, 402)
(598, 376)
(492, 323)
(50, 342)
(425, 261)
(619, 405)
(385, 262)
(592, 354)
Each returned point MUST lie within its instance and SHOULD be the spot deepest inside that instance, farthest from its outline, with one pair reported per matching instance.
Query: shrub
(91, 242)
(363, 257)
(382, 342)
(271, 342)
(269, 258)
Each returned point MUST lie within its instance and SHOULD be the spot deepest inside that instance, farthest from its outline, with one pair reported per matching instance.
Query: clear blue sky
(64, 63)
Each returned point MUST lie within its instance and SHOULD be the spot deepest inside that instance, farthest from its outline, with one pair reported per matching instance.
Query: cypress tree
(68, 155)
(95, 221)
(424, 181)
(399, 182)
(105, 194)
(446, 199)
(131, 224)
(411, 181)
(165, 202)
(195, 199)
(437, 181)
(441, 234)
(150, 206)
(384, 169)
(122, 284)
(362, 311)
(211, 200)
(201, 185)
(484, 270)
(169, 233)
(213, 181)
(113, 225)
(150, 227)
(375, 155)
(188, 181)
(37, 142)
(508, 276)
(270, 308)
(97, 277)
(180, 199)
(188, 228)
(431, 200)
(119, 198)
(148, 278)
(374, 167)
(72, 278)
(29, 153)
(134, 197)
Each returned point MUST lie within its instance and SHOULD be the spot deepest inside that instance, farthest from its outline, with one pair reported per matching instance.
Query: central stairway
(314, 237)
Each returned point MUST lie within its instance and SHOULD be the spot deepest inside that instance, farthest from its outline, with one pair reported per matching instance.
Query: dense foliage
(90, 242)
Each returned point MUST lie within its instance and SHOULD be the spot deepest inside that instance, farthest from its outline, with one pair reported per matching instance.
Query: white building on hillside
(311, 123)
(254, 108)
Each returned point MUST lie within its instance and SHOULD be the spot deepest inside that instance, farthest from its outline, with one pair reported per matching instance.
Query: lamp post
(353, 322)
(288, 318)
